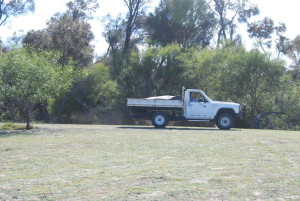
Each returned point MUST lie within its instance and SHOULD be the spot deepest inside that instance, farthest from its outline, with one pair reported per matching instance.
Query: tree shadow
(6, 133)
(174, 128)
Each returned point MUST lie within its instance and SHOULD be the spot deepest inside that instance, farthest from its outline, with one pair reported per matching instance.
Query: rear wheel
(160, 119)
(225, 121)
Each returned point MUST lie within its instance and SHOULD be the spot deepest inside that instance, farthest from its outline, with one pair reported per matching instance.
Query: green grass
(11, 126)
(74, 162)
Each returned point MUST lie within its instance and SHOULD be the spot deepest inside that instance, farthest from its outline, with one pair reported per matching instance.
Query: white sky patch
(280, 11)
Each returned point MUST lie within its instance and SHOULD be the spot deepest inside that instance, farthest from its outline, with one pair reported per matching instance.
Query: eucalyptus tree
(82, 9)
(72, 37)
(124, 33)
(69, 33)
(293, 52)
(185, 22)
(133, 20)
(155, 71)
(13, 8)
(229, 13)
(266, 33)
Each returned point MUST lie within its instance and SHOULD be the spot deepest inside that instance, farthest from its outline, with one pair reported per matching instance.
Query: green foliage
(185, 22)
(228, 14)
(201, 69)
(82, 9)
(91, 95)
(156, 71)
(265, 32)
(31, 76)
(102, 92)
(11, 126)
(293, 52)
(177, 53)
(275, 121)
(28, 74)
(287, 100)
(235, 74)
(69, 36)
(252, 75)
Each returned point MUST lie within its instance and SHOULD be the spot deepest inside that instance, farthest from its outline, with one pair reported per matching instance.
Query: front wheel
(160, 119)
(225, 121)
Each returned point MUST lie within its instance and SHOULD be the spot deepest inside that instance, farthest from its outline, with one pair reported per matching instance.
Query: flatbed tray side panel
(153, 103)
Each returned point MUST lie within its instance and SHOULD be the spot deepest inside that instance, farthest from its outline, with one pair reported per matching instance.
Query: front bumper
(242, 112)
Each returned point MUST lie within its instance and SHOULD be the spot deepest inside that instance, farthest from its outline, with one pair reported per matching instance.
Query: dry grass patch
(73, 162)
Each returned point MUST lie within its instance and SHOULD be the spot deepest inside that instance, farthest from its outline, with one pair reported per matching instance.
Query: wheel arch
(152, 112)
(224, 110)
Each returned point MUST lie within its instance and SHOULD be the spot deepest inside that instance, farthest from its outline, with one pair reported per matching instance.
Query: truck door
(196, 107)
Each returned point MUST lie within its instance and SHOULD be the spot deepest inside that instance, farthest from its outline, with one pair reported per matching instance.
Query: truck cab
(197, 105)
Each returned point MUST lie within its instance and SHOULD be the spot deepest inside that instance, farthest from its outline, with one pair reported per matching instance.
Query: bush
(12, 126)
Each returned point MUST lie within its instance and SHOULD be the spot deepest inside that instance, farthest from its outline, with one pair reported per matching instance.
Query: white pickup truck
(193, 105)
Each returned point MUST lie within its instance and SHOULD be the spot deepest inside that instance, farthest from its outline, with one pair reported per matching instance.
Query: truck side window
(196, 97)
(193, 97)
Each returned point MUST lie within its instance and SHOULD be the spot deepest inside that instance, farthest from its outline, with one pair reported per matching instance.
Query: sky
(280, 11)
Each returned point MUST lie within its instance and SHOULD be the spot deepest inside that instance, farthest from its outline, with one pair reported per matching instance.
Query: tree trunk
(27, 117)
(61, 107)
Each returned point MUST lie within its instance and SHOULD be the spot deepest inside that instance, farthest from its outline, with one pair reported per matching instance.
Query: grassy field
(84, 162)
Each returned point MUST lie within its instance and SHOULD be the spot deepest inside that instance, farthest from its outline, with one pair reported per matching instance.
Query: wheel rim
(225, 121)
(159, 119)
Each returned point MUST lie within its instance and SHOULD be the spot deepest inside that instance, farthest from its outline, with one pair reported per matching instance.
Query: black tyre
(225, 121)
(160, 119)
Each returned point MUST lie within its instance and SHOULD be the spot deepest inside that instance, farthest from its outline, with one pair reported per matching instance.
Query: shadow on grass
(6, 133)
(184, 129)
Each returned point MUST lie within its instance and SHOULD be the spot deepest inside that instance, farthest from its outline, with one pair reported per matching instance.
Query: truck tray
(134, 102)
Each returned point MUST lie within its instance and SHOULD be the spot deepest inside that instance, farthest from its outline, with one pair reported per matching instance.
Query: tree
(155, 72)
(288, 100)
(250, 76)
(263, 31)
(124, 33)
(2, 47)
(114, 36)
(201, 70)
(93, 94)
(234, 74)
(133, 20)
(186, 22)
(40, 39)
(72, 37)
(229, 13)
(82, 9)
(293, 52)
(15, 40)
(14, 8)
(102, 91)
(30, 77)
